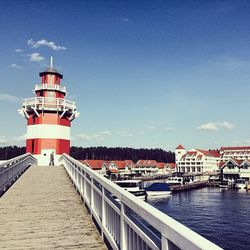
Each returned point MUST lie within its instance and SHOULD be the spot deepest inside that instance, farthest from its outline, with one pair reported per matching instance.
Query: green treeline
(102, 153)
(11, 152)
(108, 154)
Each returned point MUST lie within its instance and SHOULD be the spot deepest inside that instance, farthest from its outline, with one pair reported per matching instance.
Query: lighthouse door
(45, 159)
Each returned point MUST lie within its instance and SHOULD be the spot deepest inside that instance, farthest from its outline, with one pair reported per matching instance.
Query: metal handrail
(118, 221)
(11, 169)
(50, 86)
(40, 103)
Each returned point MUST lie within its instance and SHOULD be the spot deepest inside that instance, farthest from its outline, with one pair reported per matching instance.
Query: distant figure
(51, 163)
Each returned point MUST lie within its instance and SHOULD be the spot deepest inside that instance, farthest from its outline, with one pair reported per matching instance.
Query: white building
(196, 160)
(238, 153)
(235, 169)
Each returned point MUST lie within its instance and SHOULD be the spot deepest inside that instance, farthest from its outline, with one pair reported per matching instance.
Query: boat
(175, 180)
(241, 184)
(223, 184)
(134, 187)
(158, 189)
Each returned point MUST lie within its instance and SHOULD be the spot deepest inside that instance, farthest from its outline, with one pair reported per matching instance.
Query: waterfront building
(238, 153)
(97, 165)
(230, 169)
(122, 167)
(170, 167)
(233, 169)
(151, 168)
(179, 152)
(110, 167)
(49, 116)
(145, 167)
(128, 167)
(196, 160)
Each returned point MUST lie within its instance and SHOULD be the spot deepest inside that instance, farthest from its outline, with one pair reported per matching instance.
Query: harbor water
(221, 216)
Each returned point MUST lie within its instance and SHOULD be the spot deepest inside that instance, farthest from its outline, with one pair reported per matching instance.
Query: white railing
(244, 170)
(11, 169)
(50, 86)
(129, 223)
(235, 170)
(48, 103)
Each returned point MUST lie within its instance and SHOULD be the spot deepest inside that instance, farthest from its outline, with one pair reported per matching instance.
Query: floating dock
(200, 184)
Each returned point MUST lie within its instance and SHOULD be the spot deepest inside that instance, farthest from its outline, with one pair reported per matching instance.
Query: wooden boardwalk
(43, 211)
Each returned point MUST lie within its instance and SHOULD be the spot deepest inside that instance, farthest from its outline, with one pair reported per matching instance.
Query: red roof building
(197, 161)
(238, 153)
(180, 147)
(93, 164)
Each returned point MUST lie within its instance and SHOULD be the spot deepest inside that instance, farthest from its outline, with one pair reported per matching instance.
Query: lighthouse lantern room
(49, 117)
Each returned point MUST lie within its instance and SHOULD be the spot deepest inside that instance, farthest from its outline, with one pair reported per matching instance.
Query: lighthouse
(49, 116)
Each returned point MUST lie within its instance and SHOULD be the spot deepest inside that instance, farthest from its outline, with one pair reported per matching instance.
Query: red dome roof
(180, 147)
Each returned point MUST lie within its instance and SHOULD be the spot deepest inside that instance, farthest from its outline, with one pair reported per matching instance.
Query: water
(222, 217)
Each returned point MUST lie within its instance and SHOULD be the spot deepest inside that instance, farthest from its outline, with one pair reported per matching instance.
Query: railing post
(165, 243)
(103, 212)
(82, 183)
(84, 186)
(43, 101)
(123, 236)
(92, 196)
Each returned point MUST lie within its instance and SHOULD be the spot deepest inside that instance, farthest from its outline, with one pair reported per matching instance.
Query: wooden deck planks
(43, 211)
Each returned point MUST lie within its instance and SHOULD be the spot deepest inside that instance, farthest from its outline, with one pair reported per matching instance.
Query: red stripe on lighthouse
(48, 118)
(35, 146)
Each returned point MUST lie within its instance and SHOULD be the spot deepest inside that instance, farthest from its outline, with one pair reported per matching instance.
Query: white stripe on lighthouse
(48, 131)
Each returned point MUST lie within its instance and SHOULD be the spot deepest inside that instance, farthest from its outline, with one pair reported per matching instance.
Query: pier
(43, 209)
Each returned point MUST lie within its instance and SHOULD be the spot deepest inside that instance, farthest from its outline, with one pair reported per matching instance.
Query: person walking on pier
(51, 163)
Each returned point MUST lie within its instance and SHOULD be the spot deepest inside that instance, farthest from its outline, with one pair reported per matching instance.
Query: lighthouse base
(44, 158)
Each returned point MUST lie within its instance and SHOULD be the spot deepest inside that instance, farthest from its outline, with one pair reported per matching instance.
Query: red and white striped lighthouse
(49, 118)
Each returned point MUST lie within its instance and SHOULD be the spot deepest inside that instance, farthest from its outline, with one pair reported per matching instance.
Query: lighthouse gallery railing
(11, 169)
(50, 86)
(128, 223)
(40, 103)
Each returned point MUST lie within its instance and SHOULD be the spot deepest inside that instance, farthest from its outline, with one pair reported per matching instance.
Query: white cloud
(242, 142)
(20, 138)
(9, 98)
(3, 139)
(169, 128)
(121, 132)
(124, 133)
(36, 57)
(227, 125)
(125, 20)
(16, 66)
(213, 126)
(46, 43)
(151, 127)
(18, 50)
(90, 137)
(108, 133)
(208, 126)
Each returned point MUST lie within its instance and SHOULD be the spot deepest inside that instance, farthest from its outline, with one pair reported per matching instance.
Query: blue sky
(143, 73)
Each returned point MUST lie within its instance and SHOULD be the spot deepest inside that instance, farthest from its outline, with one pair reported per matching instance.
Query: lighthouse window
(32, 146)
(51, 94)
(50, 79)
(34, 119)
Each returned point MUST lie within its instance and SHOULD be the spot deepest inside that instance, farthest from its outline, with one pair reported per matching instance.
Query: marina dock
(200, 184)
